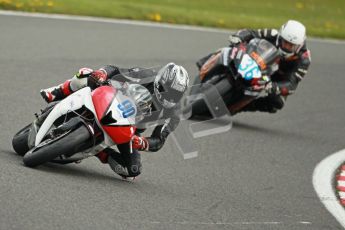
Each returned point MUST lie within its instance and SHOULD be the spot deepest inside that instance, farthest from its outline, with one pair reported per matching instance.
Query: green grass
(322, 18)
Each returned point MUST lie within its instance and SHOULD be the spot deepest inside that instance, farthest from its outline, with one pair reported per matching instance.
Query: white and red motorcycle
(81, 125)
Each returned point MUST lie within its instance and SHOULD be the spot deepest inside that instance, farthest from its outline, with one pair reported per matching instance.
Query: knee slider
(134, 170)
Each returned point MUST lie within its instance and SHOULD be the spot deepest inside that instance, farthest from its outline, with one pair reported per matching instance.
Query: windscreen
(265, 55)
(136, 84)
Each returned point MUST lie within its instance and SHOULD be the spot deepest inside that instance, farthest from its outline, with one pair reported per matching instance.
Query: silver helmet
(170, 84)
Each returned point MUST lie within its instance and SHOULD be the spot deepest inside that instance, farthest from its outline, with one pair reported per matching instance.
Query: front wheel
(67, 144)
(20, 140)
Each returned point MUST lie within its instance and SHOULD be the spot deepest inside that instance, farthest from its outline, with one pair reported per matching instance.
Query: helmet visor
(144, 108)
(288, 46)
(168, 97)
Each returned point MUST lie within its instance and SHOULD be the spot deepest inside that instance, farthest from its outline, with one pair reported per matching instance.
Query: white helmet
(291, 38)
(170, 84)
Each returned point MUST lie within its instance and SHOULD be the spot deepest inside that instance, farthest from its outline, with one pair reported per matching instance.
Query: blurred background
(322, 18)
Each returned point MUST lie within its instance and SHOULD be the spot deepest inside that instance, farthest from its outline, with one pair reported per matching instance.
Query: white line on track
(323, 177)
(254, 223)
(139, 23)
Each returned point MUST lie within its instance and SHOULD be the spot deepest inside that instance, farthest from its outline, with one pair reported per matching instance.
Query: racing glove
(272, 88)
(84, 72)
(99, 75)
(234, 40)
(97, 78)
(140, 143)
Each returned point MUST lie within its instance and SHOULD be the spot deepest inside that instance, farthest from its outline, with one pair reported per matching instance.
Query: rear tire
(73, 142)
(20, 140)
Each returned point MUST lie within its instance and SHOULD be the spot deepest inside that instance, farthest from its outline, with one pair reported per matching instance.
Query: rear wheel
(67, 143)
(20, 140)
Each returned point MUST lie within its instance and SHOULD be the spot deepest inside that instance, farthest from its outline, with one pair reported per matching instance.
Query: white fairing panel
(225, 55)
(123, 109)
(71, 103)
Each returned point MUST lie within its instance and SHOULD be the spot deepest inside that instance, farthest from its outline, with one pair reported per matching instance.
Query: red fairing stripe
(120, 134)
(102, 97)
(66, 88)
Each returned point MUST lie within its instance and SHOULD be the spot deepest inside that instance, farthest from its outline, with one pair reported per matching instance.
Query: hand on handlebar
(272, 88)
(140, 143)
(263, 87)
(262, 84)
(99, 77)
(234, 40)
(95, 78)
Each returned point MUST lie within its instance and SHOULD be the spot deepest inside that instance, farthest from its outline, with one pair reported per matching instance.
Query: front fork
(90, 148)
(73, 123)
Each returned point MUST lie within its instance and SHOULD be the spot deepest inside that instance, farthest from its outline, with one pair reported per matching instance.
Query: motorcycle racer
(293, 65)
(167, 89)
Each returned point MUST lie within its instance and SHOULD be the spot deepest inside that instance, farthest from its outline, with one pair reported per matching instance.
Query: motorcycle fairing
(73, 102)
(221, 57)
(116, 112)
(107, 100)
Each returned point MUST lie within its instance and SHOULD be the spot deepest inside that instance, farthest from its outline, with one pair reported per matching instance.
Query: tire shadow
(270, 131)
(77, 170)
(10, 156)
(237, 125)
(67, 170)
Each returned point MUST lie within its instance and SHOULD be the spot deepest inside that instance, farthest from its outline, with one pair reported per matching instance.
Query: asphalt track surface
(258, 175)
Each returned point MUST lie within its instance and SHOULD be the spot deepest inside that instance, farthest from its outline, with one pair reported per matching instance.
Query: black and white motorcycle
(234, 76)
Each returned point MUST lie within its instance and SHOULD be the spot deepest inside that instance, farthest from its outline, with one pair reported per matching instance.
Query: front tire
(20, 140)
(73, 142)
